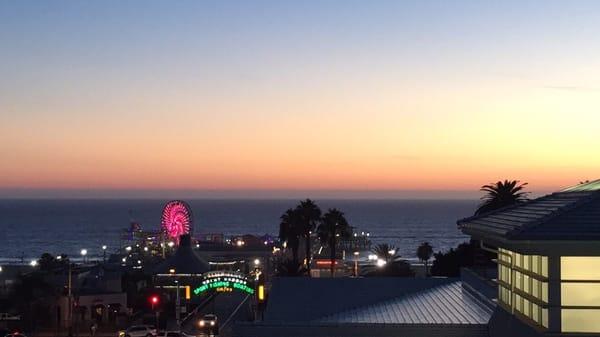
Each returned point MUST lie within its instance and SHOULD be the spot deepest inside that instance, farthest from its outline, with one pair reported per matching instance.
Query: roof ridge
(593, 195)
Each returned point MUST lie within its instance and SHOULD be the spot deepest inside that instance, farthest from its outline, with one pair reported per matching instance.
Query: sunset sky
(275, 98)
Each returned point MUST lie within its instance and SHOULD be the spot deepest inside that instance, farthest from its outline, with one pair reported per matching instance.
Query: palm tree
(309, 215)
(289, 231)
(424, 253)
(501, 194)
(333, 225)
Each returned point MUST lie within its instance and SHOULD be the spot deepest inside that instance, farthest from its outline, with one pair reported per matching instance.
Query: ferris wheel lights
(176, 220)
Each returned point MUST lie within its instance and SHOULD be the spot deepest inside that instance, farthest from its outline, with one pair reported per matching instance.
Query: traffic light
(154, 300)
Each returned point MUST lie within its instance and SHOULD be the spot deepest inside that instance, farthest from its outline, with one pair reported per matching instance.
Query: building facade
(548, 259)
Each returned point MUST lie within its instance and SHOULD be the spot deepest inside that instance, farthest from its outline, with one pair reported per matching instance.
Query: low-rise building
(548, 263)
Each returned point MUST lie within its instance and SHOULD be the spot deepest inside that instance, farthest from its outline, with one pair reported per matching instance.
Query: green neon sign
(224, 282)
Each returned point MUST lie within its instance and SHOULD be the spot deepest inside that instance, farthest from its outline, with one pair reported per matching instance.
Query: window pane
(580, 294)
(580, 320)
(580, 268)
(545, 292)
(545, 266)
(535, 288)
(535, 313)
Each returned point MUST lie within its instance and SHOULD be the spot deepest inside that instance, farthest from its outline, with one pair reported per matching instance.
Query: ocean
(29, 228)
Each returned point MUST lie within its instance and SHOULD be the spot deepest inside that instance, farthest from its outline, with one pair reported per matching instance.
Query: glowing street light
(128, 248)
(257, 262)
(83, 254)
(33, 263)
(381, 263)
(171, 244)
(392, 252)
(104, 253)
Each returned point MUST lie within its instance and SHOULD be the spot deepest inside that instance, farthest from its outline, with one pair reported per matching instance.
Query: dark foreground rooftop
(571, 214)
(371, 307)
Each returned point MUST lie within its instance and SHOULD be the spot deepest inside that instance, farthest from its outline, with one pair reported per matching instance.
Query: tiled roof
(567, 215)
(444, 304)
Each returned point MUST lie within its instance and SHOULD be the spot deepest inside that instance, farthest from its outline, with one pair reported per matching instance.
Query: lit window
(580, 294)
(580, 320)
(580, 268)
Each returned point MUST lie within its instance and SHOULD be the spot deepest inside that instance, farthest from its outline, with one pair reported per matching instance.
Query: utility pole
(178, 307)
(70, 300)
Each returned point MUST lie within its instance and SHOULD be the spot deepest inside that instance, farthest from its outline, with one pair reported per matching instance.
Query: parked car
(209, 324)
(139, 331)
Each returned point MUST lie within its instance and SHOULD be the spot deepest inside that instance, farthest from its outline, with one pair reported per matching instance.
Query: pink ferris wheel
(176, 220)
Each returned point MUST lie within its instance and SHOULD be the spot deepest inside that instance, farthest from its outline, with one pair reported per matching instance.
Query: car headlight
(201, 323)
(212, 323)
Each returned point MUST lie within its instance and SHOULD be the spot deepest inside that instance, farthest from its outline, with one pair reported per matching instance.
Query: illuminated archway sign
(224, 281)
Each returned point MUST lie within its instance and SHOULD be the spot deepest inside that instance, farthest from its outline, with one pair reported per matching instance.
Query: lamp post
(104, 253)
(177, 301)
(70, 301)
(154, 302)
(356, 263)
(83, 254)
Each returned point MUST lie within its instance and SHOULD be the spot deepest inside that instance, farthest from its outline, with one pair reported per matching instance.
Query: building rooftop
(443, 304)
(572, 214)
(386, 300)
(185, 261)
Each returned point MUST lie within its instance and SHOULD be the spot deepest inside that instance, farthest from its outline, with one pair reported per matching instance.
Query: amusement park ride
(176, 220)
(186, 275)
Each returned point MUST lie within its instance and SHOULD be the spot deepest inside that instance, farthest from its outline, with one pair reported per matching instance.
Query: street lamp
(33, 263)
(256, 262)
(104, 253)
(356, 254)
(83, 254)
